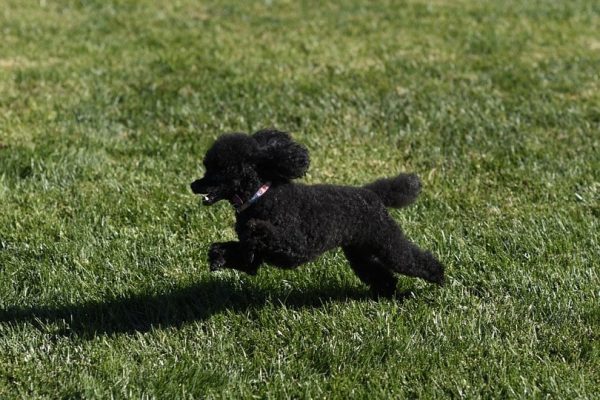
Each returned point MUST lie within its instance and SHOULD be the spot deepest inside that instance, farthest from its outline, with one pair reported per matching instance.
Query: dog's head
(238, 164)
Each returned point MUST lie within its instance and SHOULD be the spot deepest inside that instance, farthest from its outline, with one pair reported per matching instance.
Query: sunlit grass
(106, 109)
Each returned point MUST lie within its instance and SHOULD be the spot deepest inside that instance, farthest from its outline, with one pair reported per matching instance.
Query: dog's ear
(279, 157)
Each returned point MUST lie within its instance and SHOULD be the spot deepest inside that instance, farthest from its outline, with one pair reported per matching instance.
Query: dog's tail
(397, 192)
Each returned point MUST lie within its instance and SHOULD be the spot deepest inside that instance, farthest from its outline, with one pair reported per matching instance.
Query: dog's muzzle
(208, 197)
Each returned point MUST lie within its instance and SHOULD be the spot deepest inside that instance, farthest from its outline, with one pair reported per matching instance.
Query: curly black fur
(292, 223)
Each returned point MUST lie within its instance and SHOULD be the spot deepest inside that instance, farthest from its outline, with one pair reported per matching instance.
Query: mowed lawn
(107, 107)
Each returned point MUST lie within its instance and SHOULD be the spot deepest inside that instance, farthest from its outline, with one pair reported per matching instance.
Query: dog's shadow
(143, 312)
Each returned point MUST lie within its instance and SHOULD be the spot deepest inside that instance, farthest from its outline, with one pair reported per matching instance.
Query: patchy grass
(108, 106)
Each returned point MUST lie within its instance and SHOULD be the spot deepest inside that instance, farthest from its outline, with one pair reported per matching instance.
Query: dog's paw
(216, 257)
(384, 289)
(436, 272)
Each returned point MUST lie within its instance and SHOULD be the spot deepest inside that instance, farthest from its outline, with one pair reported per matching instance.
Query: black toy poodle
(287, 224)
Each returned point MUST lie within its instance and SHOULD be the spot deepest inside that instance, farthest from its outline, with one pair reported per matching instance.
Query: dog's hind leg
(405, 257)
(370, 270)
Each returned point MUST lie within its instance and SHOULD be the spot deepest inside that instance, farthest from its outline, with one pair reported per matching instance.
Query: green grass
(106, 108)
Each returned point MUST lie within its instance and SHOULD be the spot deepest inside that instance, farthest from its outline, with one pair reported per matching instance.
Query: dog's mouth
(208, 193)
(208, 198)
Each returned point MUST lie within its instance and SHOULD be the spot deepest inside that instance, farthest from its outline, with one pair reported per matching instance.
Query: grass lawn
(107, 107)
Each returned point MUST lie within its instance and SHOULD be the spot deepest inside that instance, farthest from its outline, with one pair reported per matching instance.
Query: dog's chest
(263, 211)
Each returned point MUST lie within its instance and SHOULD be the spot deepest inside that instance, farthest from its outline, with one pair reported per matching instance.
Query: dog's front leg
(262, 234)
(234, 255)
